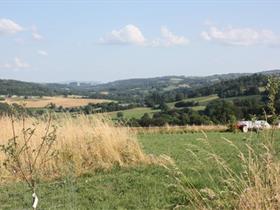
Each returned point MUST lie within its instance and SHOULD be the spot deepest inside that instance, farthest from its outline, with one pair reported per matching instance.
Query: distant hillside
(14, 87)
(174, 81)
(271, 72)
(129, 89)
(246, 85)
(165, 82)
(138, 89)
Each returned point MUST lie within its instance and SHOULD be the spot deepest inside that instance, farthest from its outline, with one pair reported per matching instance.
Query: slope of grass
(134, 113)
(141, 187)
(203, 101)
(57, 100)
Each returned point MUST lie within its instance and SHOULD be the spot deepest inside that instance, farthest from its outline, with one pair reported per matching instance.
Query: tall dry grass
(82, 144)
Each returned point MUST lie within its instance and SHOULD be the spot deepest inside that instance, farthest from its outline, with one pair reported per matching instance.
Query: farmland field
(203, 101)
(134, 113)
(57, 100)
(141, 187)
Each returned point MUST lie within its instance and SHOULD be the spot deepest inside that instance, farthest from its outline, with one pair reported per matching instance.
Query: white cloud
(129, 34)
(42, 53)
(35, 34)
(16, 64)
(169, 39)
(8, 26)
(241, 36)
(20, 64)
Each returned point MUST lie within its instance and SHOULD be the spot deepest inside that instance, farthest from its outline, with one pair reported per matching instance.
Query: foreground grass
(138, 188)
(142, 187)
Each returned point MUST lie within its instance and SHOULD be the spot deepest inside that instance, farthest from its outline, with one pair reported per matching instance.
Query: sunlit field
(134, 113)
(139, 105)
(57, 100)
(109, 167)
(87, 144)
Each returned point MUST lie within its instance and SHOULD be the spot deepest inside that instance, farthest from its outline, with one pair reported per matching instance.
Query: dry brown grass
(262, 183)
(59, 101)
(82, 144)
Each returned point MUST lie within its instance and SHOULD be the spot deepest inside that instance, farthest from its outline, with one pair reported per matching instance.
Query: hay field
(57, 100)
(83, 144)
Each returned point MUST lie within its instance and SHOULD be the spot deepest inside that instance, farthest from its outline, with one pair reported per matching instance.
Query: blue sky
(51, 41)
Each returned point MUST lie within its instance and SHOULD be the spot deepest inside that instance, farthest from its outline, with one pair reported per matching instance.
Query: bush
(221, 111)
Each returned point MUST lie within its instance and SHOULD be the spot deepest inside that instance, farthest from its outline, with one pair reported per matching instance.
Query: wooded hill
(225, 85)
(15, 87)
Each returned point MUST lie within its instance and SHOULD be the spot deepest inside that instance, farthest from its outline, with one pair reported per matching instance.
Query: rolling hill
(132, 89)
(15, 87)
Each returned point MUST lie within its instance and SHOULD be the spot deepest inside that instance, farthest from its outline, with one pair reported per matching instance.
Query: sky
(56, 41)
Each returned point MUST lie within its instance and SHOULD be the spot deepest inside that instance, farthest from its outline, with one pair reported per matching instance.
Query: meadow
(136, 113)
(134, 179)
(203, 101)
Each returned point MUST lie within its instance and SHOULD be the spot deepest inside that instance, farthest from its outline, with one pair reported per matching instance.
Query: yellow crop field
(57, 100)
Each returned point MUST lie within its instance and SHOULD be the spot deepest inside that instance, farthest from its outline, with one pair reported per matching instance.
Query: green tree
(221, 111)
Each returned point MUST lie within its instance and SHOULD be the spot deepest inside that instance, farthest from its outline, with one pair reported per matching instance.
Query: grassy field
(139, 112)
(141, 187)
(134, 113)
(203, 101)
(57, 100)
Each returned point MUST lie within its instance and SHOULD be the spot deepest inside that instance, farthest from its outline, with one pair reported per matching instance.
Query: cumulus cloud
(42, 53)
(16, 64)
(129, 34)
(169, 39)
(35, 34)
(8, 26)
(241, 36)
